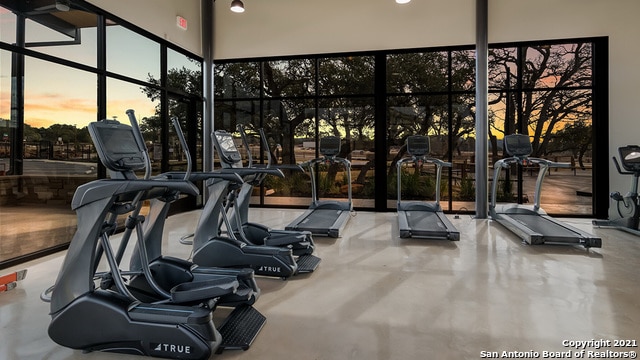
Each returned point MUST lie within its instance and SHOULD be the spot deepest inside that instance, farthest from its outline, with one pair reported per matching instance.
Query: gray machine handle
(185, 146)
(140, 140)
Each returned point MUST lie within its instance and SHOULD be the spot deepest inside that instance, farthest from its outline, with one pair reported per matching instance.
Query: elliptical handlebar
(185, 146)
(243, 135)
(140, 142)
(265, 143)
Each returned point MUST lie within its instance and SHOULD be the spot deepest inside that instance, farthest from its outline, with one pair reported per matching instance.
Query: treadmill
(325, 217)
(530, 222)
(423, 219)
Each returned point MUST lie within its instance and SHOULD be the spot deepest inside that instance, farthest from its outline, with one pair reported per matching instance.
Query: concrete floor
(375, 296)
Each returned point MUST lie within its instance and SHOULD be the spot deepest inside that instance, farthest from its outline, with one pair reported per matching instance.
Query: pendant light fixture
(237, 6)
(63, 5)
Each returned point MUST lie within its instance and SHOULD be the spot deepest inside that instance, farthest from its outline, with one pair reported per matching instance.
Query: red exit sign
(181, 22)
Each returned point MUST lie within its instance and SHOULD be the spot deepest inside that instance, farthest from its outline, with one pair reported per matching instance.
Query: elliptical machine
(170, 271)
(214, 247)
(627, 206)
(300, 242)
(107, 316)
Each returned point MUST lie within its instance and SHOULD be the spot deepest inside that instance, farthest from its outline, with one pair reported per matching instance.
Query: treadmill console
(116, 146)
(227, 149)
(518, 145)
(330, 146)
(418, 145)
(630, 157)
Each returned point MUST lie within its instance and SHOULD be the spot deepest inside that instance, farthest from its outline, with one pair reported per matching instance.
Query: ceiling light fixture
(237, 6)
(403, 1)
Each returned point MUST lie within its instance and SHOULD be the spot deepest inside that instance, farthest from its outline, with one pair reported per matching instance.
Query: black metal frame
(380, 95)
(20, 50)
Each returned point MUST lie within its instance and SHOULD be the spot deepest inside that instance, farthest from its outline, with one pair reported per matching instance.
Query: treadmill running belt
(424, 220)
(543, 226)
(320, 219)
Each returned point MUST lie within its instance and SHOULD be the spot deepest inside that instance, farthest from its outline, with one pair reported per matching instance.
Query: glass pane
(417, 72)
(184, 73)
(7, 127)
(346, 75)
(238, 80)
(70, 35)
(228, 114)
(131, 54)
(289, 78)
(463, 157)
(564, 65)
(7, 117)
(463, 70)
(502, 67)
(417, 115)
(7, 26)
(289, 126)
(58, 157)
(562, 133)
(122, 96)
(353, 121)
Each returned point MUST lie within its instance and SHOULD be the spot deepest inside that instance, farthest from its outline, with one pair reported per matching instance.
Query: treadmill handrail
(523, 160)
(334, 159)
(437, 162)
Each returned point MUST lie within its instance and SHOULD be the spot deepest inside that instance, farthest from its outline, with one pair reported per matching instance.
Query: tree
(575, 138)
(181, 80)
(554, 78)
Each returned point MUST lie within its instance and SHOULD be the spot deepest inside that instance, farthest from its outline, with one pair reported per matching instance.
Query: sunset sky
(56, 94)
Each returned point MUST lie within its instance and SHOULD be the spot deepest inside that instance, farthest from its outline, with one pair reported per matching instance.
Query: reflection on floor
(376, 296)
(30, 228)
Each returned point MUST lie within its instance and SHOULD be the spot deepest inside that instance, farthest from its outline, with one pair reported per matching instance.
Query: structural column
(482, 122)
(206, 12)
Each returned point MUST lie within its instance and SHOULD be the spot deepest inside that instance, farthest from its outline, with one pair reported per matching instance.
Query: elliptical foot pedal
(240, 329)
(307, 263)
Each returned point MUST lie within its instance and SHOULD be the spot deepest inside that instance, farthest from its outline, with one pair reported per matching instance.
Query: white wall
(288, 27)
(283, 27)
(159, 18)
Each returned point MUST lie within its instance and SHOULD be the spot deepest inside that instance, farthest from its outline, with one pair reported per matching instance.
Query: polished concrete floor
(376, 296)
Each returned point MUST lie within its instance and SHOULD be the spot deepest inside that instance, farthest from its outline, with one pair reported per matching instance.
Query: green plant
(467, 190)
(505, 191)
(296, 184)
(326, 185)
(414, 185)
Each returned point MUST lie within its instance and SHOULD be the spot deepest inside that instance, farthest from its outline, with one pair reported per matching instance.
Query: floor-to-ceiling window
(544, 89)
(299, 102)
(547, 92)
(60, 70)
